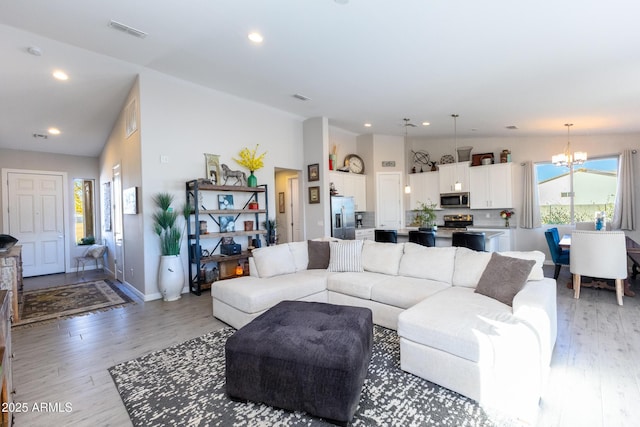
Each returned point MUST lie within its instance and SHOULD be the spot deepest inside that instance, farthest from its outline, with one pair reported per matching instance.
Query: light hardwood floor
(593, 380)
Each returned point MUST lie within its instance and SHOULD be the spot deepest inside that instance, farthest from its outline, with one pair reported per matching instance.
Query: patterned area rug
(184, 385)
(70, 300)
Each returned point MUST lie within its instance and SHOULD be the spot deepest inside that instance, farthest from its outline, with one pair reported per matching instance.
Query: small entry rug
(184, 385)
(70, 300)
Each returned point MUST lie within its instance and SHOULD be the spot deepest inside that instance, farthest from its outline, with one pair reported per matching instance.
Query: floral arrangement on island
(506, 214)
(252, 161)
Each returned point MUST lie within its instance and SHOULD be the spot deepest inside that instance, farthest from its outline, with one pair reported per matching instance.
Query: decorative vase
(170, 277)
(252, 181)
(506, 223)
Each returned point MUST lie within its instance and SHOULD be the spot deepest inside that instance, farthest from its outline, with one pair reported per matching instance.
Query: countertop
(446, 234)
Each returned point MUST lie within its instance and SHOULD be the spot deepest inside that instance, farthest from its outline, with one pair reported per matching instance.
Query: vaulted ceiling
(499, 63)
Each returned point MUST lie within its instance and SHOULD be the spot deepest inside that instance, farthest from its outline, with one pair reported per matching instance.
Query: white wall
(182, 121)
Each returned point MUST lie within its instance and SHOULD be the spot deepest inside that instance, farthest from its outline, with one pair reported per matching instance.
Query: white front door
(389, 200)
(36, 219)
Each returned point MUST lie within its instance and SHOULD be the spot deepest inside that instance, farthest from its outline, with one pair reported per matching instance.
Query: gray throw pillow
(504, 277)
(319, 255)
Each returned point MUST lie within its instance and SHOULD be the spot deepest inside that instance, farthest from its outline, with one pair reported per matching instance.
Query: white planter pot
(170, 277)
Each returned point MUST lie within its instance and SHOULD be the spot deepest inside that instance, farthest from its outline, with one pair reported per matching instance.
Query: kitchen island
(443, 237)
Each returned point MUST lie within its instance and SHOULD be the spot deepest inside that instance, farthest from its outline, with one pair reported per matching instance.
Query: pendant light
(458, 185)
(568, 158)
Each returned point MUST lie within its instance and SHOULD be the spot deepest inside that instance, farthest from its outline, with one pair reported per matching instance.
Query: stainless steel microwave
(454, 200)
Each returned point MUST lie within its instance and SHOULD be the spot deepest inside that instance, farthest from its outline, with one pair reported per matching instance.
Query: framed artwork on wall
(313, 172)
(106, 206)
(314, 195)
(130, 201)
(281, 202)
(131, 118)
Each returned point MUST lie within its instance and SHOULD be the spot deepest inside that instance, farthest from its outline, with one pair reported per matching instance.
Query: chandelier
(568, 158)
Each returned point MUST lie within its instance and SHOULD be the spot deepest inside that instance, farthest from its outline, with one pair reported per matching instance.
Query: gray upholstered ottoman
(302, 356)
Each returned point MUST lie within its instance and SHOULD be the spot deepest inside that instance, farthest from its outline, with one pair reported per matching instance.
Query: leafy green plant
(165, 224)
(425, 214)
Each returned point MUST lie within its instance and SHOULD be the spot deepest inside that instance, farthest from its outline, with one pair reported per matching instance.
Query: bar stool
(424, 238)
(386, 236)
(469, 239)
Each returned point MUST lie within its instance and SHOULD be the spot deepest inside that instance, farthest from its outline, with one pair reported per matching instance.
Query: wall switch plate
(164, 159)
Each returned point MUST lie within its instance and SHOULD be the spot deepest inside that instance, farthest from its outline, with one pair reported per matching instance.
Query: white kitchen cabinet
(351, 184)
(451, 173)
(491, 186)
(365, 234)
(425, 188)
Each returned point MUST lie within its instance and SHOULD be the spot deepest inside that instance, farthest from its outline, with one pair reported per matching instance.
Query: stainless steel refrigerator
(343, 218)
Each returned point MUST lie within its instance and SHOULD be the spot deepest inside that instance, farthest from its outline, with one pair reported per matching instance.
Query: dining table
(633, 252)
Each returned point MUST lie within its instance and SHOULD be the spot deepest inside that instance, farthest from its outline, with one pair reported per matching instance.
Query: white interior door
(389, 200)
(116, 201)
(36, 219)
(293, 215)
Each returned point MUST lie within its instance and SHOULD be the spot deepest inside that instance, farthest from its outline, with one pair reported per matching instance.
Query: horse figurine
(241, 177)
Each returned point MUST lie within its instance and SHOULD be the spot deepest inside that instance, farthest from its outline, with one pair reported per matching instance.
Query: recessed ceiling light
(367, 125)
(60, 75)
(426, 124)
(256, 37)
(54, 131)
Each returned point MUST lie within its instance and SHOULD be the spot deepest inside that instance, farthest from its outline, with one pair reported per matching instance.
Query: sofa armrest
(536, 305)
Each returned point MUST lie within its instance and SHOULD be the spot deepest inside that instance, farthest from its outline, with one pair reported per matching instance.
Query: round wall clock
(354, 163)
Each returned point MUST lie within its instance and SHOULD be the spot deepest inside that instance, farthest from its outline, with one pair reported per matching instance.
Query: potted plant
(252, 161)
(425, 215)
(271, 226)
(171, 271)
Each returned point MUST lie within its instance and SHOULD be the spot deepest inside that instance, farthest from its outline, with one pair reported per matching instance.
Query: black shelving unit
(197, 262)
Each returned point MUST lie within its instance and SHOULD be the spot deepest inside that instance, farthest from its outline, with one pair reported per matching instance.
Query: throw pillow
(318, 255)
(345, 256)
(504, 277)
(469, 266)
(537, 256)
(274, 260)
(300, 255)
(381, 257)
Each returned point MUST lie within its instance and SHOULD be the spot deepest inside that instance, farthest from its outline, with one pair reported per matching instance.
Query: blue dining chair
(556, 234)
(560, 256)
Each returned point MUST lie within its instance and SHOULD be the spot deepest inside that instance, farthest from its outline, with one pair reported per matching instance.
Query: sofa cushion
(253, 295)
(404, 292)
(428, 262)
(463, 323)
(318, 255)
(381, 257)
(300, 255)
(355, 284)
(345, 256)
(504, 277)
(273, 260)
(537, 256)
(469, 266)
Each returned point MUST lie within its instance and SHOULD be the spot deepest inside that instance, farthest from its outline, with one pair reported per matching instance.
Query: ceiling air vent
(37, 135)
(127, 29)
(511, 127)
(301, 97)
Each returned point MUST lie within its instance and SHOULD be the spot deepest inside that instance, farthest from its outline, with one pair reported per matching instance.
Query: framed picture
(106, 206)
(130, 201)
(227, 224)
(281, 202)
(314, 195)
(314, 172)
(212, 162)
(225, 201)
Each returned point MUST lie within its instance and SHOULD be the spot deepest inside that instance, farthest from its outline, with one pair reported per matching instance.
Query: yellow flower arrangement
(250, 160)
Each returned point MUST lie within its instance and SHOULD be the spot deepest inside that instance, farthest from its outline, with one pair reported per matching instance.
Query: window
(594, 185)
(84, 217)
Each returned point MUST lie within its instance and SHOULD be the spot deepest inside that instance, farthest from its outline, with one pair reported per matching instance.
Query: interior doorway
(288, 206)
(389, 200)
(118, 238)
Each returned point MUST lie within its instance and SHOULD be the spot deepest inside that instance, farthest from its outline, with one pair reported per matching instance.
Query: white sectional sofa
(495, 353)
